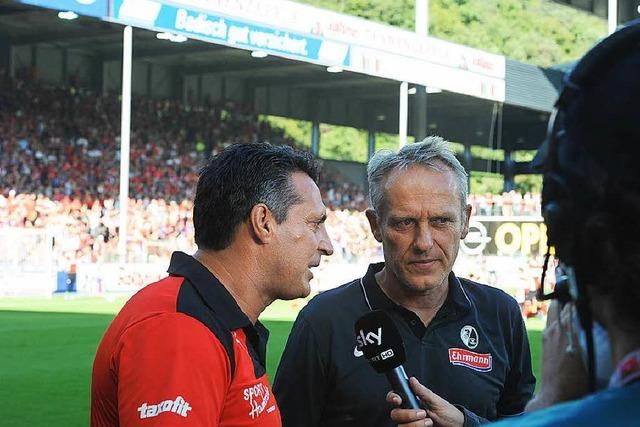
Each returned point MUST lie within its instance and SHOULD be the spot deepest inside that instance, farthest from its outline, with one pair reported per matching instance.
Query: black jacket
(474, 353)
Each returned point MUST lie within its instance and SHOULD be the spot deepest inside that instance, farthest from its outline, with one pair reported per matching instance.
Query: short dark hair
(237, 179)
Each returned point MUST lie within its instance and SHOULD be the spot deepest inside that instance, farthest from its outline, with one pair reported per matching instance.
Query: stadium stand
(59, 171)
(59, 164)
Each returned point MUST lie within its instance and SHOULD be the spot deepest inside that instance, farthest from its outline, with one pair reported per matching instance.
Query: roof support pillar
(403, 113)
(199, 96)
(467, 160)
(315, 137)
(612, 16)
(65, 65)
(420, 129)
(125, 133)
(5, 52)
(509, 172)
(422, 17)
(371, 142)
(149, 80)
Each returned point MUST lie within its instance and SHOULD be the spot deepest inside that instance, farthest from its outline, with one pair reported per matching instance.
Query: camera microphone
(380, 342)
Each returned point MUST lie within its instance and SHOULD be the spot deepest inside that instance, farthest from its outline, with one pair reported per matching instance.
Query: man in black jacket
(466, 341)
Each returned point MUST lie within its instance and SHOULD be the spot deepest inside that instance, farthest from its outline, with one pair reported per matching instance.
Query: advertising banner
(311, 34)
(97, 8)
(512, 236)
(97, 278)
(356, 31)
(405, 68)
(229, 31)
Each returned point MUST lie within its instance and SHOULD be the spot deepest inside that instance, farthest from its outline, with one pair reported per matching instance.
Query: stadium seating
(59, 170)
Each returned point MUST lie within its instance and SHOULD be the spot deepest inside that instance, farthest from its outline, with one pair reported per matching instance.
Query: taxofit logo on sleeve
(469, 359)
(178, 406)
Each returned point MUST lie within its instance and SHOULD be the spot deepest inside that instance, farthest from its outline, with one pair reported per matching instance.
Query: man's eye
(404, 222)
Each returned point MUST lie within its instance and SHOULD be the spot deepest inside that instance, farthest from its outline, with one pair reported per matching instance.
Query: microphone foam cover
(378, 338)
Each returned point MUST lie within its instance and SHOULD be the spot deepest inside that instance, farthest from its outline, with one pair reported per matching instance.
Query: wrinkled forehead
(429, 180)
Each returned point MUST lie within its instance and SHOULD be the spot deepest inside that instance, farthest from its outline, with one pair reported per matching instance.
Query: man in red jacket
(189, 350)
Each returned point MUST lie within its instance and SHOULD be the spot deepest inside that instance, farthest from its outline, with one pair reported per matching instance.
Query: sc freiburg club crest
(469, 336)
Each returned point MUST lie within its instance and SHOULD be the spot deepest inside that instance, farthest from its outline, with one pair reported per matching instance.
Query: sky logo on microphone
(385, 358)
(369, 338)
(384, 352)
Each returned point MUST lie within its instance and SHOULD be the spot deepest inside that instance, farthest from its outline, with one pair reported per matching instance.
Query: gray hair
(433, 152)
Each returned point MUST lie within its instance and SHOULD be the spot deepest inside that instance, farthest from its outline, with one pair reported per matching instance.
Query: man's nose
(325, 246)
(423, 239)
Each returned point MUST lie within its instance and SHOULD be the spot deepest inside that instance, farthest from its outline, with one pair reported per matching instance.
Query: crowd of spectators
(59, 170)
(64, 141)
(87, 233)
(508, 204)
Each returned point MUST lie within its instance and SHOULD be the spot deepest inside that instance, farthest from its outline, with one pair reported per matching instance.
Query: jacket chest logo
(476, 361)
(469, 336)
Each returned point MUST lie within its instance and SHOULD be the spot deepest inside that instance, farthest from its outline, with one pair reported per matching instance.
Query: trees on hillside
(540, 32)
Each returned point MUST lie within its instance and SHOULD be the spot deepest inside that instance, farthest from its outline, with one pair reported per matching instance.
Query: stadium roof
(277, 85)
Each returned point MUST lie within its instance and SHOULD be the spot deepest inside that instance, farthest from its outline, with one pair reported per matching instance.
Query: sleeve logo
(178, 407)
(469, 359)
(258, 398)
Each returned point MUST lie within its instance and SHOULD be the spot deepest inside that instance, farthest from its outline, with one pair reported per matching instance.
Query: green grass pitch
(48, 346)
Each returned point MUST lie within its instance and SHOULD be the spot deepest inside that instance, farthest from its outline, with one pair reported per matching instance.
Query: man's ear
(466, 215)
(262, 223)
(372, 216)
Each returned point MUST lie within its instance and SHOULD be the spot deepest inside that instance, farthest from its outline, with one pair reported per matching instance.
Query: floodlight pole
(422, 28)
(422, 17)
(612, 16)
(125, 135)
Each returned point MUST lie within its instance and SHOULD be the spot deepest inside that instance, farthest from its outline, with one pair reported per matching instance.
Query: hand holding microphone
(380, 341)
